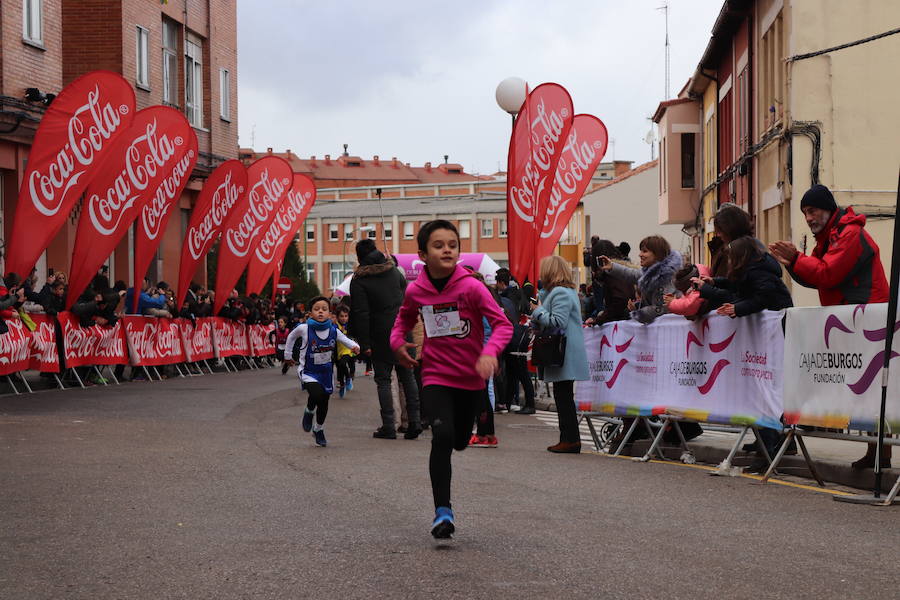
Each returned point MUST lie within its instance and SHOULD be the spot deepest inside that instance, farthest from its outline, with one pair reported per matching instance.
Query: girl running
(455, 360)
(312, 346)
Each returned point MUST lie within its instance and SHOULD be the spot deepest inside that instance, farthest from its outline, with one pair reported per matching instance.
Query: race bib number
(441, 320)
(321, 358)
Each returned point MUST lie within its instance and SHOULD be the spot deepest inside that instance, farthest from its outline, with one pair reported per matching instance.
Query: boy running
(312, 346)
(455, 361)
(345, 358)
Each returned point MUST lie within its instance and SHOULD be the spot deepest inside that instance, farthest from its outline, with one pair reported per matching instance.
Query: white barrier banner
(717, 369)
(833, 361)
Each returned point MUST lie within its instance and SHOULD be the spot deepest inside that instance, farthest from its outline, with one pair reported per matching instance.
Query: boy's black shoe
(412, 433)
(385, 434)
(526, 410)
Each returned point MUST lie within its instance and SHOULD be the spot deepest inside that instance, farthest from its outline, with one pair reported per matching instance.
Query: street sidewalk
(832, 457)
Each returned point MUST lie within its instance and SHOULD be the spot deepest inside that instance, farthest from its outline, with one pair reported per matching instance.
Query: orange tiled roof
(626, 175)
(666, 104)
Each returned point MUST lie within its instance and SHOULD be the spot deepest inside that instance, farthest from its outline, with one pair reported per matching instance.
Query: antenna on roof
(345, 150)
(446, 158)
(253, 136)
(665, 9)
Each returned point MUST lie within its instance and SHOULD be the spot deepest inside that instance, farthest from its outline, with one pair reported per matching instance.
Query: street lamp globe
(511, 94)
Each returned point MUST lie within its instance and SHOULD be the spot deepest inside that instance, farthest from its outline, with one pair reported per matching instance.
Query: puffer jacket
(376, 293)
(759, 288)
(845, 266)
(653, 282)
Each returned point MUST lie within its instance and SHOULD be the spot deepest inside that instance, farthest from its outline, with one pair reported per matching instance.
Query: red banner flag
(584, 149)
(260, 342)
(222, 190)
(154, 155)
(268, 180)
(230, 338)
(76, 134)
(154, 215)
(274, 241)
(534, 150)
(153, 342)
(15, 348)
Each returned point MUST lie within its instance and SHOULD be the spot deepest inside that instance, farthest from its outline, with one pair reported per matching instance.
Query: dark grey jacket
(376, 293)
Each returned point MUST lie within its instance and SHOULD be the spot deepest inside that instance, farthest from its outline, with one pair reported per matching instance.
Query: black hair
(624, 249)
(194, 287)
(342, 308)
(430, 227)
(319, 299)
(120, 286)
(162, 285)
(605, 248)
(503, 275)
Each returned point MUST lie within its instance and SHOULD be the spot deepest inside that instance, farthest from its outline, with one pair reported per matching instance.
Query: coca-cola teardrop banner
(76, 133)
(274, 241)
(222, 190)
(268, 180)
(152, 220)
(584, 149)
(535, 147)
(155, 154)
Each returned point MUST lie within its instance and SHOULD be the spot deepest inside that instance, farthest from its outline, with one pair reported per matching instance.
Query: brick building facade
(181, 54)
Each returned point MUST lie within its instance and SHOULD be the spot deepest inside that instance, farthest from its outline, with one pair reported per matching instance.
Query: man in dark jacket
(376, 293)
(845, 266)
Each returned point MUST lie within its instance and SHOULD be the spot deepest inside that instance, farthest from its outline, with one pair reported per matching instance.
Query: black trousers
(564, 396)
(344, 369)
(516, 373)
(318, 400)
(452, 412)
(485, 422)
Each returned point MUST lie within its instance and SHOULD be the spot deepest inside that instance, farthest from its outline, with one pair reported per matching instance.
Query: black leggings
(452, 413)
(318, 400)
(344, 369)
(485, 422)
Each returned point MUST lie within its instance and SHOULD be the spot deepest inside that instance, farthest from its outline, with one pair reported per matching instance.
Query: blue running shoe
(442, 528)
(320, 437)
(349, 384)
(306, 421)
(341, 391)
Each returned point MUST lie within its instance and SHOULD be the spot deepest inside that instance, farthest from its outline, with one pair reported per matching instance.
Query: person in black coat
(754, 280)
(376, 293)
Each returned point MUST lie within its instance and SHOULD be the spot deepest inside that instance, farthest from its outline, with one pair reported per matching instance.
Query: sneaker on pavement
(320, 437)
(341, 391)
(385, 434)
(481, 441)
(349, 384)
(490, 441)
(474, 440)
(526, 410)
(307, 419)
(412, 433)
(514, 408)
(442, 527)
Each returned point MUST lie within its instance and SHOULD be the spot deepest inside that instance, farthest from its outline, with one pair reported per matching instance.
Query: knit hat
(364, 247)
(819, 196)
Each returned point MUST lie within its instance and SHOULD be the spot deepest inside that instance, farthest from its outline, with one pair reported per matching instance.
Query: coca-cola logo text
(89, 129)
(153, 213)
(264, 197)
(283, 225)
(15, 344)
(576, 162)
(200, 236)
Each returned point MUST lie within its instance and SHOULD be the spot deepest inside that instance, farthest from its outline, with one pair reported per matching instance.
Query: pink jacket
(450, 360)
(689, 304)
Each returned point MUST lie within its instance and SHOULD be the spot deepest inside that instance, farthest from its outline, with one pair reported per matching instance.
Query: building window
(142, 73)
(687, 160)
(503, 228)
(310, 272)
(33, 21)
(487, 228)
(408, 230)
(310, 233)
(333, 232)
(193, 82)
(372, 233)
(339, 272)
(465, 230)
(170, 61)
(388, 232)
(348, 232)
(225, 94)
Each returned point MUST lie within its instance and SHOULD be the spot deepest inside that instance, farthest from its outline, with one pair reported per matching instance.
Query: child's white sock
(317, 427)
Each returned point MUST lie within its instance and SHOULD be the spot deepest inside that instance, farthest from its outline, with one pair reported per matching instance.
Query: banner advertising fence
(96, 345)
(717, 369)
(15, 348)
(229, 338)
(77, 133)
(153, 342)
(197, 338)
(833, 364)
(259, 340)
(44, 349)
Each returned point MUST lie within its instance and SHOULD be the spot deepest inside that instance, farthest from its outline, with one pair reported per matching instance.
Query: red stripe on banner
(229, 338)
(44, 351)
(77, 133)
(15, 347)
(197, 339)
(260, 342)
(152, 341)
(96, 345)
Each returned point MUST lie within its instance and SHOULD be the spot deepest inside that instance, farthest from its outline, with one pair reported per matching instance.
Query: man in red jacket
(845, 266)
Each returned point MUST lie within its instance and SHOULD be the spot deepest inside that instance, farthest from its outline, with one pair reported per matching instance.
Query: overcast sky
(415, 79)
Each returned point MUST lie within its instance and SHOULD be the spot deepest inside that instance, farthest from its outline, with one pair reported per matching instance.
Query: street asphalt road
(208, 488)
